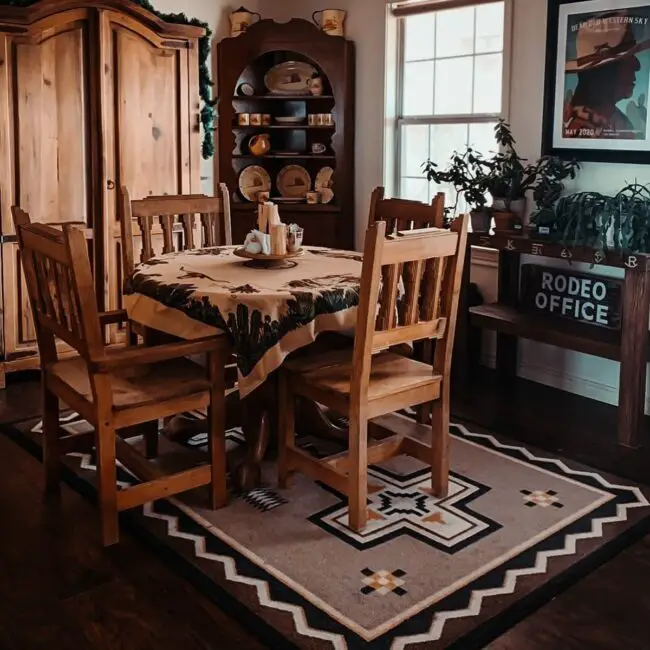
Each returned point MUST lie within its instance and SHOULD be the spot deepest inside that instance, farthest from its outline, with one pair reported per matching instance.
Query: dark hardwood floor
(60, 589)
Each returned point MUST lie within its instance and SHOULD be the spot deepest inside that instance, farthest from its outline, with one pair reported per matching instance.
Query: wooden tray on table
(261, 261)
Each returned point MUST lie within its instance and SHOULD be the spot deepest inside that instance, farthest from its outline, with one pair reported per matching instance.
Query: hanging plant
(208, 112)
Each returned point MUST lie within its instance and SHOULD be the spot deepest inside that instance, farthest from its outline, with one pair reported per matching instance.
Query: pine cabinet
(93, 95)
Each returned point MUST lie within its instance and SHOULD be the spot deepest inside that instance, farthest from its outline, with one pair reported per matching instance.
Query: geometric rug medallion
(426, 573)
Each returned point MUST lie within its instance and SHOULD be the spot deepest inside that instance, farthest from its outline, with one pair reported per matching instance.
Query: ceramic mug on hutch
(243, 119)
(266, 119)
(331, 21)
(241, 19)
(312, 119)
(313, 198)
(256, 119)
(326, 119)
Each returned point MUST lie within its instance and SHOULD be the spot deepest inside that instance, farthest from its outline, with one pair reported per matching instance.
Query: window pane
(481, 137)
(416, 189)
(489, 27)
(487, 83)
(415, 149)
(445, 139)
(419, 37)
(453, 86)
(418, 88)
(455, 32)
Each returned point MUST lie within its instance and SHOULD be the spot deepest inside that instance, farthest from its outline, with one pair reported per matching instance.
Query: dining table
(268, 314)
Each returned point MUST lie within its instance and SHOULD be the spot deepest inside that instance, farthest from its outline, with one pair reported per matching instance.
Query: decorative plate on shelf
(293, 181)
(323, 178)
(253, 179)
(290, 78)
(326, 194)
(323, 184)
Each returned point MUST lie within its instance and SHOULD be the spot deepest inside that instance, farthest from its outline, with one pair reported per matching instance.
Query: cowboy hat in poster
(598, 80)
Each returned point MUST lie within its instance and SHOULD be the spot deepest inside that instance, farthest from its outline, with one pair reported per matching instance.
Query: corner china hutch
(265, 88)
(94, 94)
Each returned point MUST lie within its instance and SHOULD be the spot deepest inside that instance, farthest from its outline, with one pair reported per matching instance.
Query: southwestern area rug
(516, 528)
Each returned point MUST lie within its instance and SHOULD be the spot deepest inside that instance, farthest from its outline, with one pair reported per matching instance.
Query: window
(451, 89)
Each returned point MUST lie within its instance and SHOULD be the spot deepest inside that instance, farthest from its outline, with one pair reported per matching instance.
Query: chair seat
(390, 374)
(139, 385)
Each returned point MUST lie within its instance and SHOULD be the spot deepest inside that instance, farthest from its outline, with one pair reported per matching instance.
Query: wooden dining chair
(172, 218)
(407, 214)
(372, 380)
(111, 388)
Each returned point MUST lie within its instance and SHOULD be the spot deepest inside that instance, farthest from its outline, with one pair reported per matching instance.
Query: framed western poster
(598, 80)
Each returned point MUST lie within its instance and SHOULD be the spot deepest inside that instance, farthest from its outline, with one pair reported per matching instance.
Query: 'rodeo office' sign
(581, 297)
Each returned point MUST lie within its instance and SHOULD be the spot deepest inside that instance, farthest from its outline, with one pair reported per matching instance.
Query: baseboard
(566, 381)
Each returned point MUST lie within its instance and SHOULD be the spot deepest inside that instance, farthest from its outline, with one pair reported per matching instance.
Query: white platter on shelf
(290, 78)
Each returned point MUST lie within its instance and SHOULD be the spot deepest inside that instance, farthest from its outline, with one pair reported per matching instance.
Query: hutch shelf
(243, 65)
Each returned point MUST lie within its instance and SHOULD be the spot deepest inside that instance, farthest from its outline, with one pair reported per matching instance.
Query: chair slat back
(402, 215)
(60, 286)
(429, 300)
(174, 220)
(405, 214)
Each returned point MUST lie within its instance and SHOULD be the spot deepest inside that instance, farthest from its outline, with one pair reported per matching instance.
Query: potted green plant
(466, 174)
(548, 175)
(507, 180)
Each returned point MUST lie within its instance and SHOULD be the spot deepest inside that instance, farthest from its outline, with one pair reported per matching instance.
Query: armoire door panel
(148, 129)
(50, 127)
(45, 142)
(147, 90)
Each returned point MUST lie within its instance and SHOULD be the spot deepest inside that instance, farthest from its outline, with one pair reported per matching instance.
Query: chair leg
(217, 432)
(151, 438)
(107, 472)
(286, 428)
(439, 449)
(358, 476)
(423, 413)
(51, 451)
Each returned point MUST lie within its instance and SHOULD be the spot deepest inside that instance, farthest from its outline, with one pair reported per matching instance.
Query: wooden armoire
(94, 94)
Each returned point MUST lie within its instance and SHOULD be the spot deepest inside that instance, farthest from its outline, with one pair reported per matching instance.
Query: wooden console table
(628, 345)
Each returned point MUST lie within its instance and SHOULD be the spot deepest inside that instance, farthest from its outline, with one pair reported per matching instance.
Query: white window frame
(473, 118)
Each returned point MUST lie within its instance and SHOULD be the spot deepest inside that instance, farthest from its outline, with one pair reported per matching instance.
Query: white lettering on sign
(573, 297)
(600, 290)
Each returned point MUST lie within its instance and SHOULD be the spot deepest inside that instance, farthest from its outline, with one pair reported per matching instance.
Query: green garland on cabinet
(208, 112)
